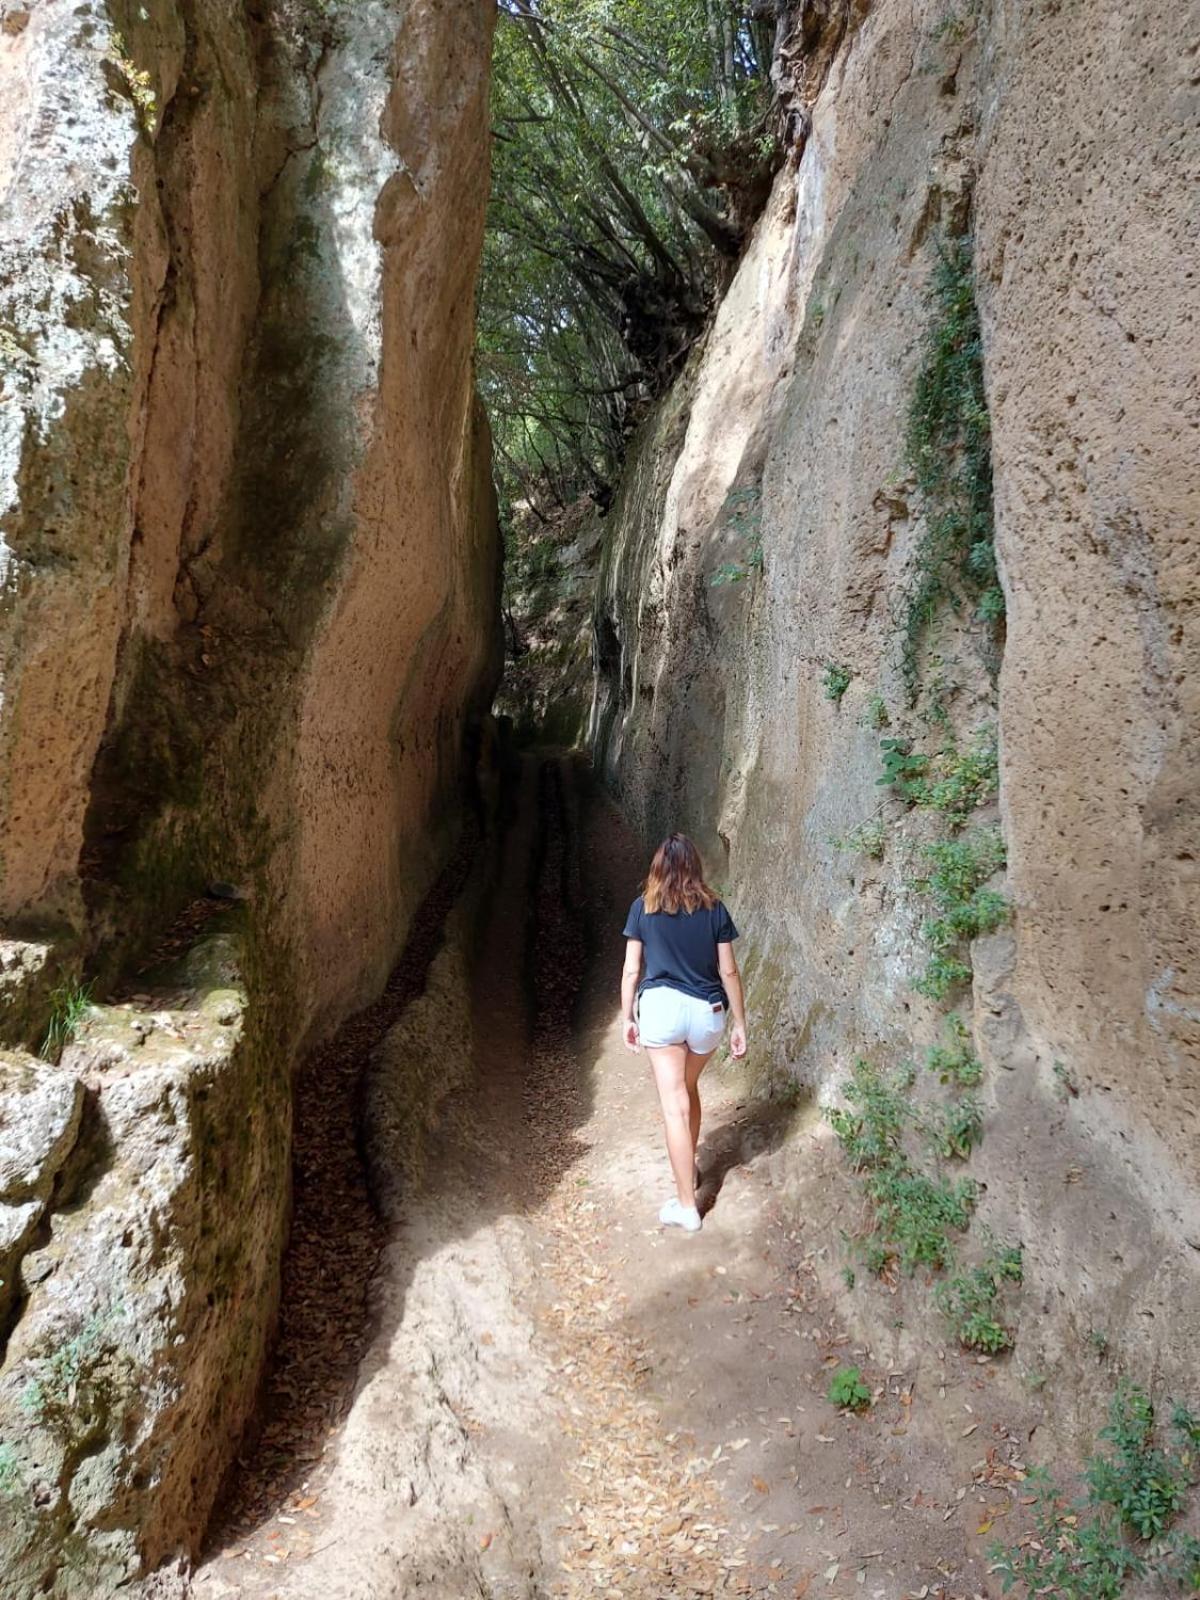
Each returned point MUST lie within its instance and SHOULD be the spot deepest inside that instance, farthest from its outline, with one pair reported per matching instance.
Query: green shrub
(984, 912)
(914, 1214)
(959, 869)
(868, 839)
(1144, 1485)
(871, 1134)
(903, 770)
(836, 681)
(745, 520)
(942, 976)
(971, 1301)
(954, 782)
(963, 780)
(848, 1391)
(952, 1131)
(955, 1062)
(1133, 1491)
(960, 866)
(875, 713)
(139, 85)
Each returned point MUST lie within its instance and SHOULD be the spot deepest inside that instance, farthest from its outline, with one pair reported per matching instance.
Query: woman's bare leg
(693, 1066)
(669, 1065)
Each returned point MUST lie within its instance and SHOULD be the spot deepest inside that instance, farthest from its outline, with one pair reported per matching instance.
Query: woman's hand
(632, 1040)
(737, 1040)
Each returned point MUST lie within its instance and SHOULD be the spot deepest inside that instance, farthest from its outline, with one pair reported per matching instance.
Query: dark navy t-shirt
(680, 948)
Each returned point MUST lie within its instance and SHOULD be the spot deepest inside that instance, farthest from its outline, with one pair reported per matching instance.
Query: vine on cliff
(915, 1213)
(949, 453)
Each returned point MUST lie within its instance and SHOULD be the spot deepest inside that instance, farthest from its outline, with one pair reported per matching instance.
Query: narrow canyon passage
(557, 1397)
(426, 425)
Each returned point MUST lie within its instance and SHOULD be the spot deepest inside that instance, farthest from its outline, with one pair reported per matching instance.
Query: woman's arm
(630, 974)
(732, 979)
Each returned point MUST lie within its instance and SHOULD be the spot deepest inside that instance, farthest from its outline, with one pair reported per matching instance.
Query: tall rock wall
(249, 608)
(762, 573)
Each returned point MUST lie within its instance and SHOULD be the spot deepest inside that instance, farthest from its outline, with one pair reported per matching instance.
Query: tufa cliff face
(774, 605)
(250, 627)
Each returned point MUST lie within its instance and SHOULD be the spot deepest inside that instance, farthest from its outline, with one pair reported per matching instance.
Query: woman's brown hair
(676, 880)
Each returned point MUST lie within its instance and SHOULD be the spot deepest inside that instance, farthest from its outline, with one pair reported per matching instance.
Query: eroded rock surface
(39, 1121)
(248, 607)
(146, 1296)
(757, 586)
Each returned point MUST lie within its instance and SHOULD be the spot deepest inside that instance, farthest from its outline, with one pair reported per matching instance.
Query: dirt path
(559, 1398)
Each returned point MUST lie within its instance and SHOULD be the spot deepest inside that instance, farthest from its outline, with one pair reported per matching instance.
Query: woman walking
(682, 936)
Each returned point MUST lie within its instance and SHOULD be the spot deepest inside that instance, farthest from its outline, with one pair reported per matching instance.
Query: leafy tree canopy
(631, 151)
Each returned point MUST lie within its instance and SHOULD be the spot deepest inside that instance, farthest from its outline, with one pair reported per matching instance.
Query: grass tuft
(69, 1003)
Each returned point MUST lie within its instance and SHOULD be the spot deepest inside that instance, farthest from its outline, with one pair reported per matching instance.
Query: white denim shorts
(668, 1016)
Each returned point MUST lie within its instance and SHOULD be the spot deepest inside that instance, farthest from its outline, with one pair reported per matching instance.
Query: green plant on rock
(736, 572)
(991, 607)
(872, 1133)
(959, 870)
(868, 839)
(69, 1004)
(746, 522)
(904, 770)
(836, 681)
(949, 455)
(953, 26)
(1143, 1483)
(1120, 1531)
(942, 976)
(954, 782)
(952, 1131)
(138, 84)
(875, 713)
(10, 1471)
(982, 913)
(1186, 1426)
(955, 1061)
(970, 1300)
(913, 1213)
(961, 866)
(848, 1391)
(963, 780)
(744, 505)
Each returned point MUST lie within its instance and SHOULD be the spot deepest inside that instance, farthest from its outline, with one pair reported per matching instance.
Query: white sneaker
(673, 1215)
